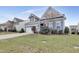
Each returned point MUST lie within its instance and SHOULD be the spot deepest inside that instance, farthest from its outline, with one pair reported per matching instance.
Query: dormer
(33, 18)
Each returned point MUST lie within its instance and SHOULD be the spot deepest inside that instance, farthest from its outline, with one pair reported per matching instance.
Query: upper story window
(33, 18)
(58, 23)
(50, 24)
(58, 27)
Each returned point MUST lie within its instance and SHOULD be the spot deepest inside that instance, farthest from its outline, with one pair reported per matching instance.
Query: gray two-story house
(53, 19)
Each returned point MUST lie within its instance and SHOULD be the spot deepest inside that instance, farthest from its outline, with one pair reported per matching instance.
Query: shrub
(14, 30)
(5, 29)
(78, 33)
(44, 30)
(54, 31)
(60, 32)
(1, 30)
(22, 30)
(66, 30)
(73, 33)
(9, 30)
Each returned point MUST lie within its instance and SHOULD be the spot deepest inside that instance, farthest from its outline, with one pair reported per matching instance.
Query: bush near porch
(46, 30)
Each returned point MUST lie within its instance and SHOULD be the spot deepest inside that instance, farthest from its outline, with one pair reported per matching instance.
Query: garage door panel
(29, 30)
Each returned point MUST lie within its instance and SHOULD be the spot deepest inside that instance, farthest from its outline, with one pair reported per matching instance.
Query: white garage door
(28, 30)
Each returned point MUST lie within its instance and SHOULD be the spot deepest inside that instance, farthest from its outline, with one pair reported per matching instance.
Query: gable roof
(17, 20)
(51, 13)
(33, 15)
(10, 21)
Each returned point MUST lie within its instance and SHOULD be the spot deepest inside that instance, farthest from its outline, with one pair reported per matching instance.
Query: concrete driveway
(7, 36)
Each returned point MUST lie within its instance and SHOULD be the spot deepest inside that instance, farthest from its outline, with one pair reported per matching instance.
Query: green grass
(41, 43)
(2, 33)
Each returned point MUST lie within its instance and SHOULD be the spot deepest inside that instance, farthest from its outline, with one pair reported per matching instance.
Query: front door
(34, 29)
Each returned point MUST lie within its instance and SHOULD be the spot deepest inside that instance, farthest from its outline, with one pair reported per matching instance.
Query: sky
(23, 12)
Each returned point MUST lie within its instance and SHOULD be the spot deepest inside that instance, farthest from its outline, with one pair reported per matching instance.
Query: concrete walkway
(7, 36)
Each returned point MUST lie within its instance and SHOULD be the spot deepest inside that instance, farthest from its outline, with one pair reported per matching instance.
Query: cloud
(6, 17)
(27, 12)
(23, 15)
(37, 12)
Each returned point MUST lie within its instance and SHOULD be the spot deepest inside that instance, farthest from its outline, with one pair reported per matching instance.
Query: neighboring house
(2, 26)
(10, 25)
(17, 24)
(78, 28)
(73, 28)
(53, 19)
(20, 25)
(7, 26)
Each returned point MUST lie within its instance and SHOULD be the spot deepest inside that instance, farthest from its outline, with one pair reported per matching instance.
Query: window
(58, 23)
(42, 24)
(51, 25)
(58, 27)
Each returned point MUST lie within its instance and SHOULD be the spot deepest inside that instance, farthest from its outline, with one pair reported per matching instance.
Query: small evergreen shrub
(14, 30)
(73, 33)
(5, 29)
(22, 30)
(78, 33)
(66, 30)
(60, 32)
(9, 30)
(1, 30)
(44, 30)
(54, 31)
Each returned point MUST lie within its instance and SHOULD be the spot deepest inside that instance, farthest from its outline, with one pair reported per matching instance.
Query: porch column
(54, 25)
(62, 25)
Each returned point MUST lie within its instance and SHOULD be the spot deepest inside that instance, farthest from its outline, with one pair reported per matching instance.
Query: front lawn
(41, 43)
